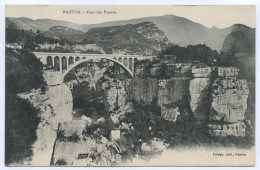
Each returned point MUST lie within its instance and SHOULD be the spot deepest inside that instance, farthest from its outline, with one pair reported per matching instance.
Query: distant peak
(240, 25)
(25, 18)
(214, 28)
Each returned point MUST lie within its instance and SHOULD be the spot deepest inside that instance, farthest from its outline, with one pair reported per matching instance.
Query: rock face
(172, 90)
(199, 89)
(114, 94)
(143, 89)
(55, 106)
(221, 100)
(229, 103)
(229, 100)
(65, 33)
(142, 38)
(52, 77)
(149, 85)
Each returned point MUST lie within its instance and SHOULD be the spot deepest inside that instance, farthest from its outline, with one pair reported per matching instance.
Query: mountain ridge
(179, 30)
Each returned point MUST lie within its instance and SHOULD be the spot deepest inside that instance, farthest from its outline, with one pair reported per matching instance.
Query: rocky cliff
(211, 96)
(228, 103)
(142, 38)
(199, 90)
(56, 107)
(64, 33)
(215, 95)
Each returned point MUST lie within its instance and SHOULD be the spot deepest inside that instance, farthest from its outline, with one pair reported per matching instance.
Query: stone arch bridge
(64, 62)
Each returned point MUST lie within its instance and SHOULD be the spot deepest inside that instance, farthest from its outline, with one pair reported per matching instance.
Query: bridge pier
(60, 65)
(52, 61)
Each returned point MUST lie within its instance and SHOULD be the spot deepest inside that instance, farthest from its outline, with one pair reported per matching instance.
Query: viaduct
(64, 62)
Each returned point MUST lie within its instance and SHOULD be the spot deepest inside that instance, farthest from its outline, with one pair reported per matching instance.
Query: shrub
(74, 138)
(61, 162)
(60, 135)
(23, 72)
(20, 128)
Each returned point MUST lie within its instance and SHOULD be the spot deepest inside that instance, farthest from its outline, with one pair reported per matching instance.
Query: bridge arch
(57, 63)
(71, 60)
(49, 61)
(77, 59)
(87, 59)
(64, 63)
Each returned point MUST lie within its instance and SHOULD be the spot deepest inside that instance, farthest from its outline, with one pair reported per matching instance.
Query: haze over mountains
(178, 30)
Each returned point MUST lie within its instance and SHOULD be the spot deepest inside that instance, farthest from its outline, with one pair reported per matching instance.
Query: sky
(217, 15)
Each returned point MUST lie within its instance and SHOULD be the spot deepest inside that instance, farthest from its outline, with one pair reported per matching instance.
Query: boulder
(158, 145)
(124, 126)
(101, 120)
(103, 140)
(170, 114)
(100, 148)
(114, 118)
(114, 135)
(146, 148)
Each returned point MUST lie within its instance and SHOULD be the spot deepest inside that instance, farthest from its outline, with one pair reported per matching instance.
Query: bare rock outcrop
(143, 89)
(199, 91)
(114, 94)
(172, 90)
(55, 106)
(232, 129)
(52, 77)
(229, 103)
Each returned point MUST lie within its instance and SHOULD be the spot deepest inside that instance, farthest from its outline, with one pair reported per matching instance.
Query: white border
(118, 2)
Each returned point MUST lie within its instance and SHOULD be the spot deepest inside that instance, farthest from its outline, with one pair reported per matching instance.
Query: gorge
(71, 100)
(92, 133)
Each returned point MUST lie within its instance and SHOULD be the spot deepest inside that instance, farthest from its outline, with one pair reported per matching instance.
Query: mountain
(65, 33)
(9, 24)
(240, 41)
(178, 30)
(142, 38)
(41, 24)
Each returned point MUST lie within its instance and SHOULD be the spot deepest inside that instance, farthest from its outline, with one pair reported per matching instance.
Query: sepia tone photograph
(129, 85)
